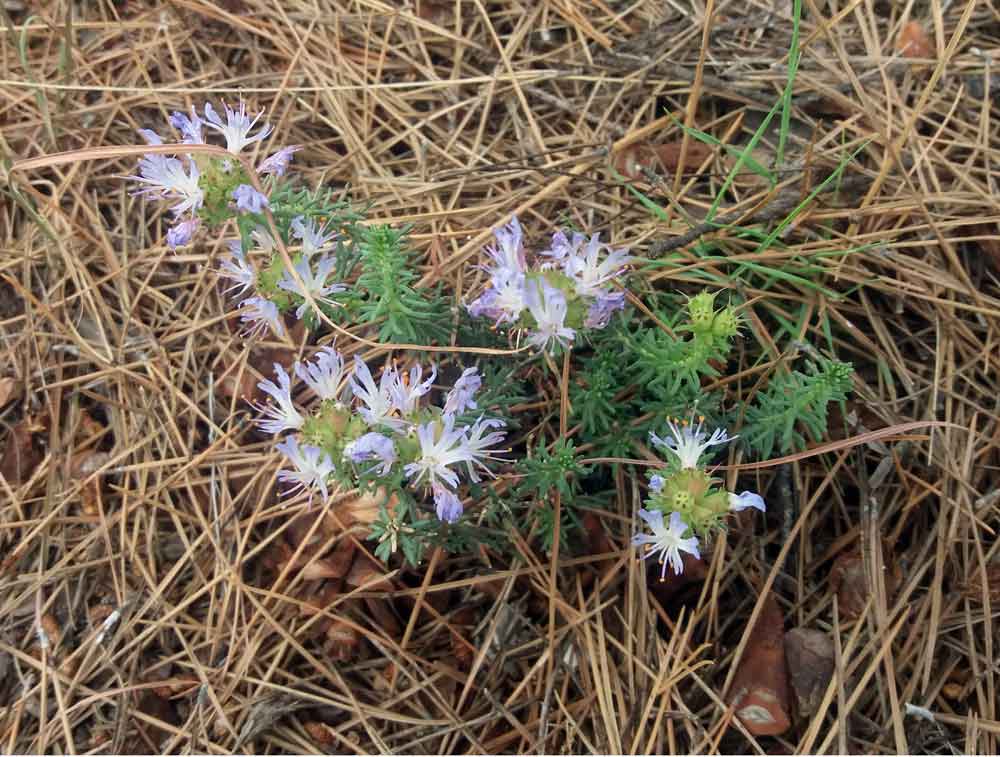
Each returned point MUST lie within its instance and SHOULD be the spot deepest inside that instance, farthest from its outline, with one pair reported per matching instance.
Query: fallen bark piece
(852, 587)
(810, 657)
(759, 693)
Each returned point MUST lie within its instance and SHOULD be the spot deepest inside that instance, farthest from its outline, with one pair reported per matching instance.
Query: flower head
(588, 271)
(508, 253)
(277, 164)
(666, 542)
(324, 374)
(746, 500)
(237, 126)
(478, 441)
(249, 200)
(548, 307)
(372, 446)
(460, 398)
(284, 416)
(312, 467)
(688, 442)
(447, 504)
(260, 313)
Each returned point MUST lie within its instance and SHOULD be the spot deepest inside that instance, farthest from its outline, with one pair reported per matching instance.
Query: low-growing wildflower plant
(569, 287)
(686, 493)
(382, 434)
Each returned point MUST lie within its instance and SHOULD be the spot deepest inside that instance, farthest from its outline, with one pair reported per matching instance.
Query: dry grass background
(139, 526)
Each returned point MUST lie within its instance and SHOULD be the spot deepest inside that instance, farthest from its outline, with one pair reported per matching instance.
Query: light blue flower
(548, 307)
(283, 416)
(260, 313)
(460, 398)
(181, 233)
(237, 126)
(666, 542)
(324, 374)
(312, 467)
(687, 442)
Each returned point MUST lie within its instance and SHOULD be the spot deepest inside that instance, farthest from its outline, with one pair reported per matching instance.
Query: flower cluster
(382, 432)
(685, 490)
(570, 289)
(206, 187)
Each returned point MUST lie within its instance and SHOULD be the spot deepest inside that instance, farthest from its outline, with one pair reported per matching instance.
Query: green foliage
(667, 364)
(544, 470)
(406, 314)
(796, 400)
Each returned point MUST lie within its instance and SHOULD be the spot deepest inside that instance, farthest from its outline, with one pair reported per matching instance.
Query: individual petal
(188, 126)
(603, 308)
(372, 446)
(656, 482)
(746, 500)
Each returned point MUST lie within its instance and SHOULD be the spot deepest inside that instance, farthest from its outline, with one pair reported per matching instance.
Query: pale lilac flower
(666, 542)
(312, 467)
(237, 268)
(259, 313)
(503, 301)
(324, 375)
(441, 445)
(603, 308)
(315, 238)
(166, 178)
(508, 254)
(447, 504)
(181, 233)
(249, 199)
(587, 269)
(188, 126)
(315, 283)
(283, 416)
(406, 390)
(460, 398)
(379, 406)
(372, 446)
(548, 307)
(746, 500)
(656, 483)
(688, 442)
(478, 440)
(277, 164)
(237, 127)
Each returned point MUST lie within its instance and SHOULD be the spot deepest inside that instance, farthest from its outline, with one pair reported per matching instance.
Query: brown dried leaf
(343, 641)
(10, 389)
(638, 159)
(321, 733)
(848, 580)
(20, 458)
(913, 42)
(810, 657)
(759, 692)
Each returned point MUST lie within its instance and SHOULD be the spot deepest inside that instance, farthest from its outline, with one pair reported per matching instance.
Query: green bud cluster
(696, 496)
